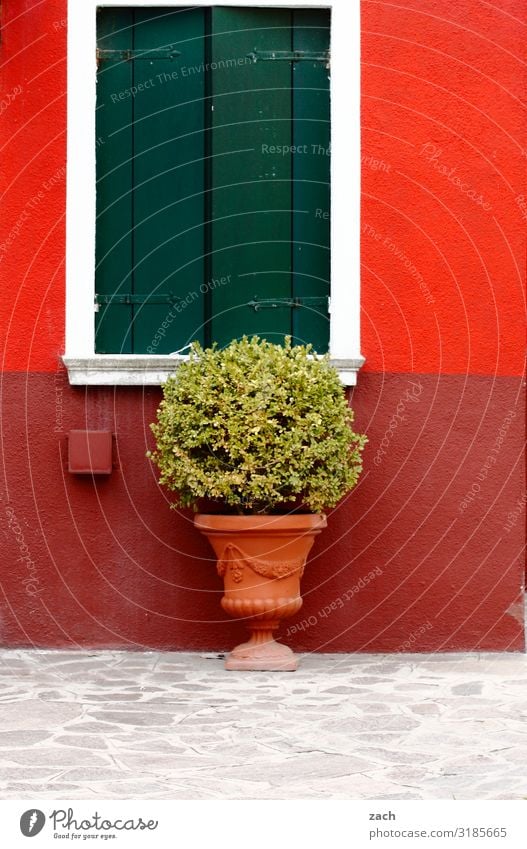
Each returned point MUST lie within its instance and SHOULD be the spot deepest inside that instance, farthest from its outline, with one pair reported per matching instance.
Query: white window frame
(84, 366)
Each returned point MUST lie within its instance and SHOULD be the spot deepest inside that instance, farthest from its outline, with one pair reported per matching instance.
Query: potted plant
(262, 431)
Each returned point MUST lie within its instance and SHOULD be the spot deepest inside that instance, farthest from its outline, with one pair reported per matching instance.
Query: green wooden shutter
(150, 221)
(270, 204)
(169, 177)
(201, 197)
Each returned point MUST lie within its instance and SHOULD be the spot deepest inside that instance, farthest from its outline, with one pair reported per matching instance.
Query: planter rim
(226, 523)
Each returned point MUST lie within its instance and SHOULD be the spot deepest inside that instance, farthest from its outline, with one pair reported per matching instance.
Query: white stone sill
(153, 370)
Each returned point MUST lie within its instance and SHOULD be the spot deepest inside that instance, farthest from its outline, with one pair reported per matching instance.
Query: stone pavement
(117, 725)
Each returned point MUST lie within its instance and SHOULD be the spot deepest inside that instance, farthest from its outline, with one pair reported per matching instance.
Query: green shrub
(257, 426)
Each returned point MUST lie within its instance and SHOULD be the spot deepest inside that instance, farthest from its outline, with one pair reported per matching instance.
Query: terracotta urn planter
(261, 560)
(259, 431)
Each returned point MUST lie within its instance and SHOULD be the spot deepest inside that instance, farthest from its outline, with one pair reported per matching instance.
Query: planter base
(242, 659)
(248, 665)
(261, 560)
(261, 653)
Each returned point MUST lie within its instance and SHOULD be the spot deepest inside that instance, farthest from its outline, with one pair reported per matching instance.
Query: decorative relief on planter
(233, 558)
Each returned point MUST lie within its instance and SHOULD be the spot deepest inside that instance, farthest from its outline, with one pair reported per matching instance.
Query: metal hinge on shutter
(133, 55)
(289, 303)
(127, 298)
(290, 56)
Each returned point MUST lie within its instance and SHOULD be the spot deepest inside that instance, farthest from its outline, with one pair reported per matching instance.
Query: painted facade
(427, 554)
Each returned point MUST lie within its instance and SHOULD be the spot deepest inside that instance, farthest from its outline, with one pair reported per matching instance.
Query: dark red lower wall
(425, 555)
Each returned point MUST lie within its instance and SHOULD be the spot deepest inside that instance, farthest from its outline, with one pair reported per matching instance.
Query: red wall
(439, 516)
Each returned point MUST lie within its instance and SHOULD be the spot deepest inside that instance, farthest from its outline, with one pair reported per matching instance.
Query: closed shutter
(212, 177)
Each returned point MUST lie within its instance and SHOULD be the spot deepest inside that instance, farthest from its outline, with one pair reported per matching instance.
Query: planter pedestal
(261, 560)
(262, 652)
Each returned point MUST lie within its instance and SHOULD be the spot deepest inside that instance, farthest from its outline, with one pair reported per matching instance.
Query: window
(211, 153)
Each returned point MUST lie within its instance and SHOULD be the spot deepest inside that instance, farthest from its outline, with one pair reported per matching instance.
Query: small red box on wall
(90, 452)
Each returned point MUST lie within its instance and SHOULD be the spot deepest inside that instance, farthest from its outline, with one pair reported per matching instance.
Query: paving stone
(95, 698)
(82, 742)
(20, 772)
(164, 745)
(426, 709)
(21, 739)
(42, 791)
(296, 769)
(406, 774)
(370, 708)
(136, 719)
(144, 789)
(55, 756)
(36, 714)
(100, 727)
(84, 774)
(390, 756)
(473, 688)
(341, 689)
(386, 737)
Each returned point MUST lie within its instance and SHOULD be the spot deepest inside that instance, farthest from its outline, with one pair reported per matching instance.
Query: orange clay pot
(261, 560)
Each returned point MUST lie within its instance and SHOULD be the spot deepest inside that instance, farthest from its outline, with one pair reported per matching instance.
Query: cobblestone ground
(177, 726)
